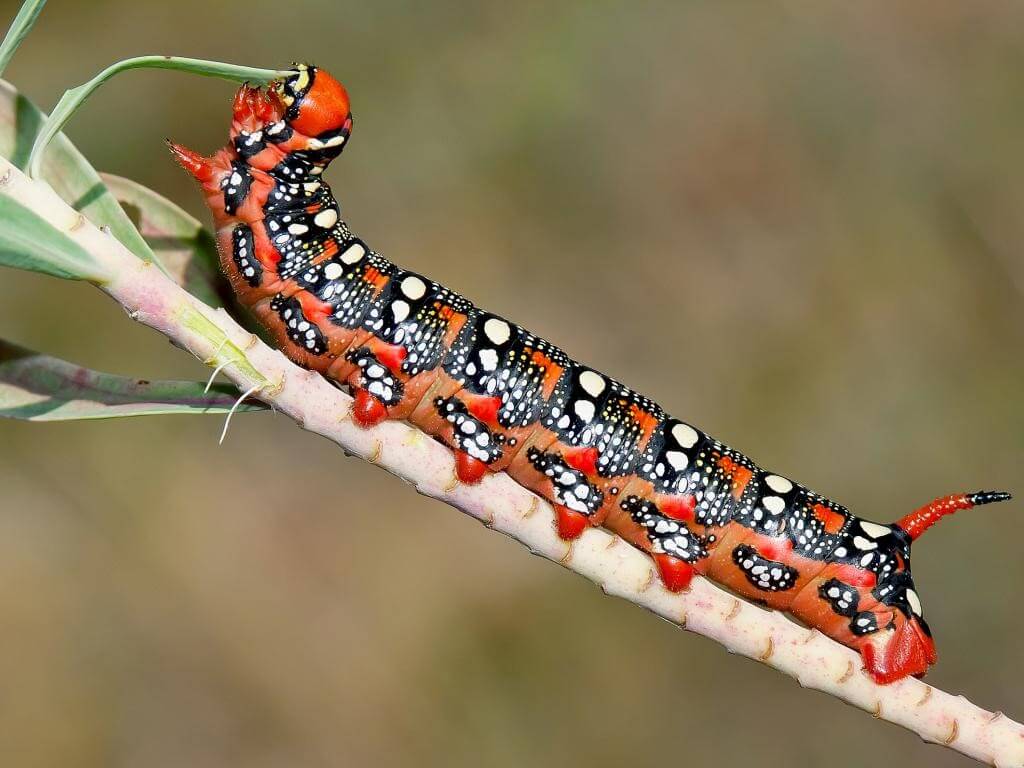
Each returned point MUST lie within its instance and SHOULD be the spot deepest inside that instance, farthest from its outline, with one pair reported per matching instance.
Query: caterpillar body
(506, 400)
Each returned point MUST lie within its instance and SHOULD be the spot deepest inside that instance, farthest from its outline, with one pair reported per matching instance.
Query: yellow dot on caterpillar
(327, 218)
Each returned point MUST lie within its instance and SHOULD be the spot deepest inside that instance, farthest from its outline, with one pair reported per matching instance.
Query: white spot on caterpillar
(327, 218)
(488, 359)
(333, 271)
(353, 253)
(915, 601)
(584, 409)
(685, 435)
(498, 331)
(778, 484)
(677, 459)
(413, 287)
(400, 310)
(592, 383)
(874, 530)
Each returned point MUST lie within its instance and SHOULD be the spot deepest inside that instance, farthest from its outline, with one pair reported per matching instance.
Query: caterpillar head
(315, 104)
(290, 132)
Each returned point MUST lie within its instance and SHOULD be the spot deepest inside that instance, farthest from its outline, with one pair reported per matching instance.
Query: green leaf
(75, 97)
(185, 248)
(65, 169)
(36, 387)
(20, 27)
(28, 241)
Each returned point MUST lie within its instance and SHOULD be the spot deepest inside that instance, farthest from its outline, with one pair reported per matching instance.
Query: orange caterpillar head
(315, 104)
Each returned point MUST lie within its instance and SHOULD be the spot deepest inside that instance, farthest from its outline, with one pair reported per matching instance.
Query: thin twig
(814, 660)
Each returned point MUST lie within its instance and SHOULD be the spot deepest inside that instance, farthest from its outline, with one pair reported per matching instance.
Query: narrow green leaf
(28, 241)
(65, 169)
(36, 387)
(20, 27)
(185, 248)
(75, 97)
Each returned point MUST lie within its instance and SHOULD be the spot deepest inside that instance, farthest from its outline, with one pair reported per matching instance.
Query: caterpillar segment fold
(504, 399)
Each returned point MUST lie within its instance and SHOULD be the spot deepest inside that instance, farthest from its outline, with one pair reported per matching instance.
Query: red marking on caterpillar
(391, 355)
(831, 520)
(505, 399)
(680, 507)
(741, 475)
(485, 408)
(583, 459)
(857, 577)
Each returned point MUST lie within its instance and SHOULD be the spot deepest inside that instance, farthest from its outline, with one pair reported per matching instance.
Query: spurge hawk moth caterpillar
(506, 400)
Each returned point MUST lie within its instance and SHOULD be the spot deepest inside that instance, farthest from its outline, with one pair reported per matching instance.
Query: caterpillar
(506, 400)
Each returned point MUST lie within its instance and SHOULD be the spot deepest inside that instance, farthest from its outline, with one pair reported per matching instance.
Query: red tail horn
(921, 520)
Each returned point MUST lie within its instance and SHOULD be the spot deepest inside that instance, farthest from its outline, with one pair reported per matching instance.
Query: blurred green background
(796, 224)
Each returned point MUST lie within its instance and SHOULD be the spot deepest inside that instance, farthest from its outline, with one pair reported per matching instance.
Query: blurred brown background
(796, 224)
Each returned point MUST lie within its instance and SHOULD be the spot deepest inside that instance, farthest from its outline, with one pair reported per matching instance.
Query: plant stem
(75, 97)
(20, 27)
